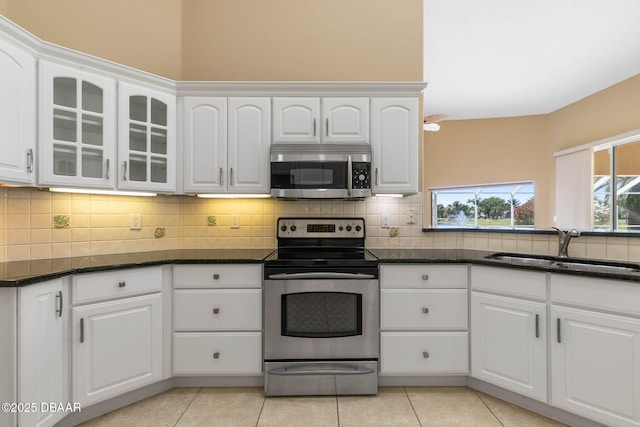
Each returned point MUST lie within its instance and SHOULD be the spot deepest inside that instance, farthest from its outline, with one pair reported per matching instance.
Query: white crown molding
(298, 88)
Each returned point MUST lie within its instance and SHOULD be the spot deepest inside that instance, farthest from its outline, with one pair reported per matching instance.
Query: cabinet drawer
(115, 284)
(611, 295)
(224, 353)
(422, 276)
(218, 276)
(520, 283)
(403, 309)
(424, 353)
(217, 309)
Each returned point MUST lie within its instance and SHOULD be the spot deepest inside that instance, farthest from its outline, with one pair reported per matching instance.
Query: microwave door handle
(349, 176)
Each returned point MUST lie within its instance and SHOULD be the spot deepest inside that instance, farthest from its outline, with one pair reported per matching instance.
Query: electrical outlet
(411, 218)
(235, 221)
(135, 222)
(384, 221)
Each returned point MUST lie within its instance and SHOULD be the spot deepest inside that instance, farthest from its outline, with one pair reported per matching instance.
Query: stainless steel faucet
(564, 238)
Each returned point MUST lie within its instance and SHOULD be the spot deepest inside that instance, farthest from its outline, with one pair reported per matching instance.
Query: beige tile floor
(393, 406)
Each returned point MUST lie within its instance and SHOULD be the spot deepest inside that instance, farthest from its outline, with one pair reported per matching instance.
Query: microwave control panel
(361, 175)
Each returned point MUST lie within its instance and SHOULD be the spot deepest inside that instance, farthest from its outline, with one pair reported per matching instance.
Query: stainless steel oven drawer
(320, 378)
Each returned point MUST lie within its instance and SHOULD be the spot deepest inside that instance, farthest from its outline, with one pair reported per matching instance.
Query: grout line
(264, 400)
(487, 406)
(412, 407)
(188, 406)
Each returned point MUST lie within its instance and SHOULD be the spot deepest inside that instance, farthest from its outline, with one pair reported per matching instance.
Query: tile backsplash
(36, 224)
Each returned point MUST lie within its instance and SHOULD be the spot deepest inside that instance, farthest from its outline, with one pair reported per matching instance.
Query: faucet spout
(564, 238)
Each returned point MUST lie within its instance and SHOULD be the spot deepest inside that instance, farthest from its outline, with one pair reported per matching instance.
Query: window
(617, 207)
(509, 205)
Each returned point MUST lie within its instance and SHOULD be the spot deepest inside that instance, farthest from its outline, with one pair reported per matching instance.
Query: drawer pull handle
(425, 310)
(216, 276)
(216, 311)
(425, 354)
(425, 277)
(122, 284)
(216, 355)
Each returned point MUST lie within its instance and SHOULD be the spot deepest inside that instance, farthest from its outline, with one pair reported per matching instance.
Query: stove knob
(293, 228)
(341, 228)
(283, 227)
(348, 228)
(358, 228)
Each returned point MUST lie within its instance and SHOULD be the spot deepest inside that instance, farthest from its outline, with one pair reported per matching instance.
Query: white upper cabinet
(226, 144)
(249, 131)
(18, 112)
(345, 120)
(394, 145)
(333, 120)
(205, 144)
(296, 119)
(147, 153)
(77, 127)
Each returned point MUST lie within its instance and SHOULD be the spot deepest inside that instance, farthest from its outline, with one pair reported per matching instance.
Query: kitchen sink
(566, 263)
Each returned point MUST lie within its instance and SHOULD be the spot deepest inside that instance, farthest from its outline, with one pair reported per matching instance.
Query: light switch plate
(235, 221)
(135, 222)
(384, 221)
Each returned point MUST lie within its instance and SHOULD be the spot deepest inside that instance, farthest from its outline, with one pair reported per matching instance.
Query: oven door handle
(321, 275)
(351, 370)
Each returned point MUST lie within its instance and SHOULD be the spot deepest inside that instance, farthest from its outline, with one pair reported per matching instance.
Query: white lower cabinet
(43, 351)
(423, 319)
(117, 343)
(508, 331)
(217, 319)
(595, 356)
(508, 343)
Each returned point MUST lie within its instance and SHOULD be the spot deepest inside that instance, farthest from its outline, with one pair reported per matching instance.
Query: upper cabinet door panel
(296, 119)
(146, 124)
(77, 127)
(18, 112)
(249, 142)
(345, 120)
(205, 144)
(394, 140)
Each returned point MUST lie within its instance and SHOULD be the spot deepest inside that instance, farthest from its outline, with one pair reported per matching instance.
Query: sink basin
(566, 264)
(523, 260)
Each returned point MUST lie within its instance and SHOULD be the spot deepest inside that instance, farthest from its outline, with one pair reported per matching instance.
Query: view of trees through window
(487, 206)
(624, 214)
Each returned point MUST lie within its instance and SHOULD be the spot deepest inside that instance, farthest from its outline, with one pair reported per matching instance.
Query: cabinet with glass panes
(147, 148)
(77, 127)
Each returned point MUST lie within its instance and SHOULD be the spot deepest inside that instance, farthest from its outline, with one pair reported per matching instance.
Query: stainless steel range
(321, 309)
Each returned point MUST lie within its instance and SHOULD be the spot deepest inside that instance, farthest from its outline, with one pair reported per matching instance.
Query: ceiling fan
(431, 122)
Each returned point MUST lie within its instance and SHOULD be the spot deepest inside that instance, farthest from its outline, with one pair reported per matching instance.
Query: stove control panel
(320, 228)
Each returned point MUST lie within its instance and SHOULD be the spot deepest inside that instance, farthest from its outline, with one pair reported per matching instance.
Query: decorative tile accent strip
(61, 221)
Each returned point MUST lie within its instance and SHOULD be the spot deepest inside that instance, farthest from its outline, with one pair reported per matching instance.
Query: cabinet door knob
(425, 277)
(216, 311)
(216, 355)
(425, 310)
(216, 276)
(122, 284)
(425, 354)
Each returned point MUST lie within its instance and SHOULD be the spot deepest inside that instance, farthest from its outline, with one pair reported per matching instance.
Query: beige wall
(144, 34)
(470, 152)
(302, 40)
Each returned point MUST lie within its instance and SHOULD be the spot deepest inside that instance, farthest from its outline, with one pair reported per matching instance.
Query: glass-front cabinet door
(147, 153)
(77, 137)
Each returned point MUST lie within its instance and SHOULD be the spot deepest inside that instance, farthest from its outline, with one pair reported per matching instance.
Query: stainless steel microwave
(321, 171)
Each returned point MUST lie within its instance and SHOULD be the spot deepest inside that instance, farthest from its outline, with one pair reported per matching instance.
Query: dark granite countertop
(478, 257)
(20, 273)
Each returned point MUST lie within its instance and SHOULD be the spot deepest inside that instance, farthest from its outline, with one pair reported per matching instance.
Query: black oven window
(321, 314)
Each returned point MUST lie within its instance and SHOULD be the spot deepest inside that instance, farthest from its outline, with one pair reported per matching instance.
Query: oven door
(321, 318)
